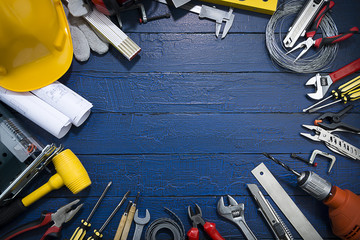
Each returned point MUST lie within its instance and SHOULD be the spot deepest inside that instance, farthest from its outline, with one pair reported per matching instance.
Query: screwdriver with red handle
(209, 228)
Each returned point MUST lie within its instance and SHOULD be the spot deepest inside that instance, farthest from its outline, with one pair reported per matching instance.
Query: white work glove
(83, 36)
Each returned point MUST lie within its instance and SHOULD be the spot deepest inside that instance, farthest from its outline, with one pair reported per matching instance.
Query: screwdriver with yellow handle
(122, 222)
(130, 219)
(345, 98)
(346, 92)
(80, 232)
(97, 235)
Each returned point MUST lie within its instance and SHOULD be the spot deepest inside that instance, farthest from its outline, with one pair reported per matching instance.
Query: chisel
(121, 226)
(130, 218)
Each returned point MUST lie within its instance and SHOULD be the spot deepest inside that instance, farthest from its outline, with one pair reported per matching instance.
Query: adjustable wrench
(140, 223)
(235, 213)
(323, 83)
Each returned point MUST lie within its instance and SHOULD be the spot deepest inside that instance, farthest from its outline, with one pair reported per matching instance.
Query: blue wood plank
(140, 133)
(184, 175)
(200, 53)
(196, 92)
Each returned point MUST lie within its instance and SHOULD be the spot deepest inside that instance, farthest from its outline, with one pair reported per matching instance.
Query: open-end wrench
(235, 213)
(323, 83)
(140, 223)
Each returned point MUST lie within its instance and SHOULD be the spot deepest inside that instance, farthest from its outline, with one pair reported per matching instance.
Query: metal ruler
(285, 203)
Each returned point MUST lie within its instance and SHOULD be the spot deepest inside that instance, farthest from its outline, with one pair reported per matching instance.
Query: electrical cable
(314, 63)
(173, 227)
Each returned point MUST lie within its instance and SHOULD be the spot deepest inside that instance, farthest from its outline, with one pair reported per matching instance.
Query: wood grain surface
(187, 120)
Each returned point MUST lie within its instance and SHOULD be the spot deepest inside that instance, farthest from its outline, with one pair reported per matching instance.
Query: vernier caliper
(211, 13)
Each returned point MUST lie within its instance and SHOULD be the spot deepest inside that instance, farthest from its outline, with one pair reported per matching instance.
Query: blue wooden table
(186, 121)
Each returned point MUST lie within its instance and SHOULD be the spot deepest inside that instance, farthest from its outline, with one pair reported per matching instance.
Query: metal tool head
(231, 212)
(321, 84)
(141, 221)
(308, 135)
(65, 213)
(327, 155)
(307, 44)
(196, 216)
(228, 25)
(219, 16)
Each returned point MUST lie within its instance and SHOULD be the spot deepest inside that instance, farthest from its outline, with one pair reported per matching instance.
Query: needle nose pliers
(61, 216)
(196, 219)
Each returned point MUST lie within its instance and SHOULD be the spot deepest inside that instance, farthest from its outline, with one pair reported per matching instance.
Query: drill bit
(282, 164)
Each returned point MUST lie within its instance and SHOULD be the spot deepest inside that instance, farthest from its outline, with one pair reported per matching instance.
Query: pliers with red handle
(61, 216)
(209, 228)
(309, 42)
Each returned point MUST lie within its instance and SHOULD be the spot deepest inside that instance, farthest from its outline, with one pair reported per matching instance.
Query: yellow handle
(96, 235)
(354, 95)
(350, 85)
(120, 227)
(80, 232)
(55, 182)
(128, 222)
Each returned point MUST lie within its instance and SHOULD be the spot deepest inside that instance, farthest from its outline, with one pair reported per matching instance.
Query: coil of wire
(274, 41)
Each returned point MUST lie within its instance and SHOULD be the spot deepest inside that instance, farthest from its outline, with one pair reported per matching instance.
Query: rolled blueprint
(37, 111)
(66, 101)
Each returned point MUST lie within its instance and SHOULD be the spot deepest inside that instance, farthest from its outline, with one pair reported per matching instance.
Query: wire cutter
(196, 218)
(61, 216)
(332, 121)
(318, 43)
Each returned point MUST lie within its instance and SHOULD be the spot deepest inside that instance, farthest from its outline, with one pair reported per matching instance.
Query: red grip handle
(345, 71)
(335, 39)
(210, 229)
(42, 221)
(52, 233)
(314, 27)
(193, 234)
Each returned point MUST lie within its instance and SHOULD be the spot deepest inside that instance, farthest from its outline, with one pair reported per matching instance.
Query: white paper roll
(66, 101)
(37, 111)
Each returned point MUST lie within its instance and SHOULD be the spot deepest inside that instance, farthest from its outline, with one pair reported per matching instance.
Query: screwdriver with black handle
(97, 235)
(122, 222)
(130, 218)
(80, 232)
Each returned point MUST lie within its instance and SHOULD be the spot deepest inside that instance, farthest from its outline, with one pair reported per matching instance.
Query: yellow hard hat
(35, 43)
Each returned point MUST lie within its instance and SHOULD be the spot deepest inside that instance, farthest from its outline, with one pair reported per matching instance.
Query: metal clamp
(327, 155)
